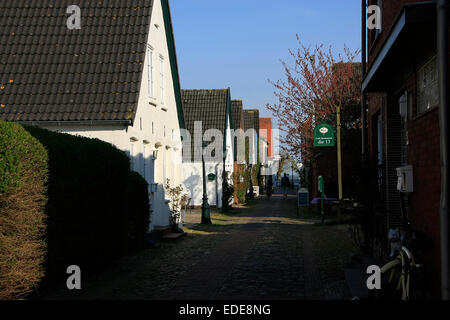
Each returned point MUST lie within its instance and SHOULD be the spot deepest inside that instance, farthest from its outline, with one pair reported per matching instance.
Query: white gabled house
(115, 79)
(208, 118)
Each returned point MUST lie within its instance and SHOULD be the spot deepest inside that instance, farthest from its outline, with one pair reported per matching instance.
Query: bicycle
(404, 267)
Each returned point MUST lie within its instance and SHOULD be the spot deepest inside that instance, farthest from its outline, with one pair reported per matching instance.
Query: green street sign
(324, 136)
(211, 177)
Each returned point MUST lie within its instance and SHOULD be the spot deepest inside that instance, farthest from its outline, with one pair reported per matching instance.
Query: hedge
(95, 203)
(23, 177)
(96, 208)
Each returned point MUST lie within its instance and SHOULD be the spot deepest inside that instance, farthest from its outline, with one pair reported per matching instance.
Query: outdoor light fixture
(155, 154)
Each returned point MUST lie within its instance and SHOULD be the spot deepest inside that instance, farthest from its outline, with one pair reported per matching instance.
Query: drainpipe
(367, 222)
(363, 73)
(442, 44)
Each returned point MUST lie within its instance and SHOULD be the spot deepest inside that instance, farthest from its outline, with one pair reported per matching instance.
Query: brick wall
(424, 155)
(265, 131)
(390, 11)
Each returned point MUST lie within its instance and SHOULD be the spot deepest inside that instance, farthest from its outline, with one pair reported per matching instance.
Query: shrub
(228, 191)
(175, 194)
(23, 176)
(77, 192)
(240, 183)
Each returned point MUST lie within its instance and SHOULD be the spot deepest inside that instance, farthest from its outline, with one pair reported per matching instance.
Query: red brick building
(265, 131)
(403, 125)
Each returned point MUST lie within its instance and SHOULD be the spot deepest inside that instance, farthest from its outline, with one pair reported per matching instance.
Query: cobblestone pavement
(264, 251)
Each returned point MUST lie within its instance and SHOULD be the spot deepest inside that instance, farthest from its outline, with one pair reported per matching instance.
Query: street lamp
(206, 209)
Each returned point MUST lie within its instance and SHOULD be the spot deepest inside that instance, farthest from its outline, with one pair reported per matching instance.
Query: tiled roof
(238, 114)
(51, 73)
(207, 106)
(251, 120)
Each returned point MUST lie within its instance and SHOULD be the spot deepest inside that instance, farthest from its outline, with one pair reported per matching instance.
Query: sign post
(322, 196)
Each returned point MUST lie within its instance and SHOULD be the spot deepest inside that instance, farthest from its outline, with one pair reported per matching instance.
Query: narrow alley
(264, 251)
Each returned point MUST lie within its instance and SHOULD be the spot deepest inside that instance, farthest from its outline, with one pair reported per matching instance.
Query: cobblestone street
(264, 251)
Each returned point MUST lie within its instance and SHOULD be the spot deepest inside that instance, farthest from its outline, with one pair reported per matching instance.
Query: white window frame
(151, 91)
(162, 79)
(421, 89)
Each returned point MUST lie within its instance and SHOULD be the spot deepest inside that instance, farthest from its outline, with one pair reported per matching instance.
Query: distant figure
(285, 183)
(269, 188)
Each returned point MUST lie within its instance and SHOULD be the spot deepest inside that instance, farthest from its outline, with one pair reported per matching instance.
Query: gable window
(161, 74)
(150, 72)
(133, 165)
(427, 87)
(132, 155)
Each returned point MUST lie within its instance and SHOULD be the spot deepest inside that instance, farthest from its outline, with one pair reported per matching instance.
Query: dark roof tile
(207, 106)
(61, 74)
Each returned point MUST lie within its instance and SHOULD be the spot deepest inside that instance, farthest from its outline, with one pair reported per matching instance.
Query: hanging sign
(324, 136)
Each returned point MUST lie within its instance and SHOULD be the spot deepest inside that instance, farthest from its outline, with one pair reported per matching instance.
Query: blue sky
(239, 43)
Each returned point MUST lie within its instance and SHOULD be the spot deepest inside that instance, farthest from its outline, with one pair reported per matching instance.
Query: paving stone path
(261, 252)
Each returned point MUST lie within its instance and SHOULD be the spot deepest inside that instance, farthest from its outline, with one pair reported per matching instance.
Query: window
(375, 32)
(144, 164)
(378, 31)
(161, 73)
(427, 87)
(150, 72)
(132, 155)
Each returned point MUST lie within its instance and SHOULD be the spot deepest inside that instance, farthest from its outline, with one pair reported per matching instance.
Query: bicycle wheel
(390, 282)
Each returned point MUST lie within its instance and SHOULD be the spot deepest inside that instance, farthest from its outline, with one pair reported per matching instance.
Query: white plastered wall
(155, 126)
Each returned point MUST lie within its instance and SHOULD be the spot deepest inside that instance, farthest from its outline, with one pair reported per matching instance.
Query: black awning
(411, 39)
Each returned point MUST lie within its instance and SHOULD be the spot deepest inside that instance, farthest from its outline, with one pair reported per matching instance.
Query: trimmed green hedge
(23, 177)
(96, 209)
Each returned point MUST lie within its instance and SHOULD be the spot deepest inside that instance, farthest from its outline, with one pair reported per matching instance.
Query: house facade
(251, 128)
(403, 125)
(209, 119)
(267, 153)
(115, 79)
(237, 110)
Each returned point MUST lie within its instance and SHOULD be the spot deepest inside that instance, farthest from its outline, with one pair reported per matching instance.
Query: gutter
(442, 44)
(82, 123)
(363, 75)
